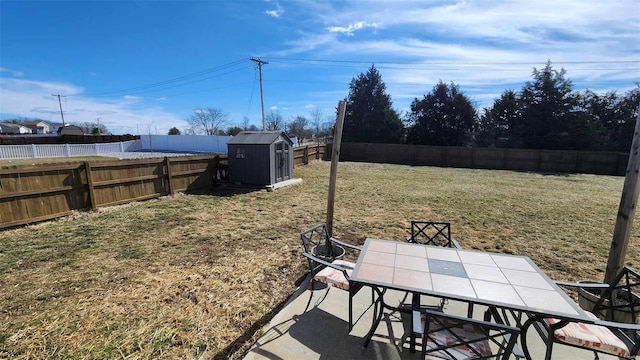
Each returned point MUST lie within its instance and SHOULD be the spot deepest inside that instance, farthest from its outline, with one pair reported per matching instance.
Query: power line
(168, 87)
(279, 59)
(251, 97)
(169, 81)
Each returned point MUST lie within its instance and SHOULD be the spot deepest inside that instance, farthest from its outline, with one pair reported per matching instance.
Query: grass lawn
(194, 276)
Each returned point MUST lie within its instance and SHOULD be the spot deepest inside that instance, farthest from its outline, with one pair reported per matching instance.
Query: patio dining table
(475, 277)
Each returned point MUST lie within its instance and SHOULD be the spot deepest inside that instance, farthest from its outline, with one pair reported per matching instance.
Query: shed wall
(254, 168)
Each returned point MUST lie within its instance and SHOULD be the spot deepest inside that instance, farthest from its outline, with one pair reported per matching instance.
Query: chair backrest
(621, 301)
(431, 233)
(453, 337)
(316, 241)
(314, 237)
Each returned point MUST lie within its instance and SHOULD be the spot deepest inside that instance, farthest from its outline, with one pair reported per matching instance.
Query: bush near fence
(588, 162)
(32, 193)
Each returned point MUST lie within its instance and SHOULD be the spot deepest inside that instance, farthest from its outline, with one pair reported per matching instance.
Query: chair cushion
(444, 337)
(335, 277)
(590, 336)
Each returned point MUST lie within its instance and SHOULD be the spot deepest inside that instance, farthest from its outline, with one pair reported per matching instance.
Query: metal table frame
(392, 259)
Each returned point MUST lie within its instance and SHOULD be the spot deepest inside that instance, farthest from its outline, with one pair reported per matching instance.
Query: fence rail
(66, 150)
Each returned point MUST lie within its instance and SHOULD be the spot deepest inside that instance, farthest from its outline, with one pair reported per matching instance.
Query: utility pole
(60, 102)
(260, 62)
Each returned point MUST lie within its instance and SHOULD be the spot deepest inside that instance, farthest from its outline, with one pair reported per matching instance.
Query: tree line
(545, 114)
(214, 121)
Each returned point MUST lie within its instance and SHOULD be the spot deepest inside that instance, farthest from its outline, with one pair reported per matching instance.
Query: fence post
(68, 149)
(306, 154)
(33, 151)
(318, 151)
(168, 165)
(92, 196)
(95, 147)
(121, 146)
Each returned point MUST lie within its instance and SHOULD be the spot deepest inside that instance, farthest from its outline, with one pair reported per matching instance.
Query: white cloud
(277, 12)
(310, 106)
(351, 28)
(31, 98)
(132, 97)
(15, 73)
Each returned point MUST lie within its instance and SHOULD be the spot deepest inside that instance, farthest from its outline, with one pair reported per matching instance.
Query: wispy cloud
(484, 46)
(277, 12)
(25, 97)
(15, 73)
(351, 28)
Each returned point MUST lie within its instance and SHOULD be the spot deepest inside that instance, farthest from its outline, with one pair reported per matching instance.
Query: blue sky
(145, 66)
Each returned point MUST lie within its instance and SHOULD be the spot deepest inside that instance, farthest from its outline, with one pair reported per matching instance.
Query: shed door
(283, 171)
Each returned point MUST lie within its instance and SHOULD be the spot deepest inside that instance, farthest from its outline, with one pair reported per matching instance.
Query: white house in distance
(38, 126)
(7, 128)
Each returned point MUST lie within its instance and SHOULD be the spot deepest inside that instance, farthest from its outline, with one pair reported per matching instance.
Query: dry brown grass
(194, 276)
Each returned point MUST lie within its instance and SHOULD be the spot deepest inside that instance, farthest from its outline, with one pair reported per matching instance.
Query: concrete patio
(313, 325)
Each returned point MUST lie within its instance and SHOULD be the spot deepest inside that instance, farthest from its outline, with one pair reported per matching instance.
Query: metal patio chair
(449, 336)
(432, 233)
(618, 301)
(325, 256)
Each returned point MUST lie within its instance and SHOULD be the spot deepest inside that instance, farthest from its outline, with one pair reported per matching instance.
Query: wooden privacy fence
(42, 192)
(36, 193)
(569, 161)
(303, 154)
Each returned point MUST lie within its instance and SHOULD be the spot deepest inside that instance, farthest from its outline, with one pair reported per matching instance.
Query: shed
(70, 130)
(260, 158)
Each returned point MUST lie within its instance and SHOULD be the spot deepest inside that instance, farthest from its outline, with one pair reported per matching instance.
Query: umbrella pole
(335, 155)
(626, 210)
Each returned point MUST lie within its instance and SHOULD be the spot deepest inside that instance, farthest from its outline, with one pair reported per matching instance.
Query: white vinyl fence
(186, 143)
(66, 150)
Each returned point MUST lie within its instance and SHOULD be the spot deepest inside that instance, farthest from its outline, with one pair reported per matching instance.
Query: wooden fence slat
(92, 195)
(169, 175)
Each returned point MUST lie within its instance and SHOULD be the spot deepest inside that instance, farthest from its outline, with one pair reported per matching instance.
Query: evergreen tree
(369, 116)
(547, 110)
(499, 125)
(622, 131)
(443, 117)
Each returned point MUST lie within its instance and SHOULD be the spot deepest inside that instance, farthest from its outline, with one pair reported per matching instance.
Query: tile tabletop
(475, 276)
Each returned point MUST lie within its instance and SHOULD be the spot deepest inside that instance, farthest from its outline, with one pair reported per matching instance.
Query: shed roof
(258, 137)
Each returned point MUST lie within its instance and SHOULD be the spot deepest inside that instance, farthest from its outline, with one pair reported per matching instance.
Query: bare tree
(274, 121)
(207, 121)
(245, 123)
(93, 128)
(297, 127)
(316, 120)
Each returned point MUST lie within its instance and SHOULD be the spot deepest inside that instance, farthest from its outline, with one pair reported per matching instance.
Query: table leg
(377, 316)
(415, 307)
